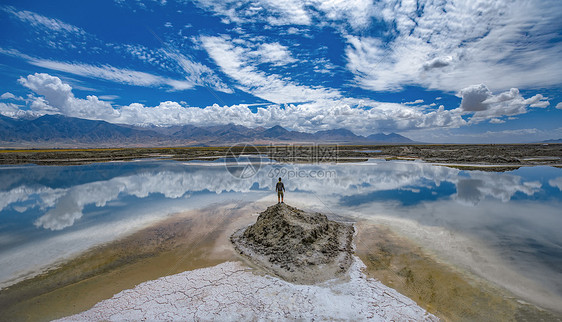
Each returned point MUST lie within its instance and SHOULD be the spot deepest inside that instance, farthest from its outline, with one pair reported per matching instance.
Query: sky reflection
(48, 213)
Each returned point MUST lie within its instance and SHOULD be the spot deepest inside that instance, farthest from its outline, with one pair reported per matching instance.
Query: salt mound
(298, 246)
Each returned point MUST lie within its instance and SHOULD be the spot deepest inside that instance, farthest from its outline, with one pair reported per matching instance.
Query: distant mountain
(56, 129)
(279, 133)
(340, 135)
(190, 131)
(389, 138)
(62, 131)
(552, 141)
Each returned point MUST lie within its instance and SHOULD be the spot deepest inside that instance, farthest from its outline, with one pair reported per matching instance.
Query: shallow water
(503, 227)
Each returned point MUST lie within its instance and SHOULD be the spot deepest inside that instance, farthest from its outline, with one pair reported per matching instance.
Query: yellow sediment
(439, 288)
(187, 241)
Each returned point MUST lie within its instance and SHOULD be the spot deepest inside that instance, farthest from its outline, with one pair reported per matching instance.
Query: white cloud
(496, 121)
(38, 20)
(556, 182)
(294, 31)
(7, 96)
(14, 111)
(559, 106)
(275, 12)
(171, 59)
(478, 99)
(274, 53)
(238, 63)
(450, 45)
(507, 133)
(195, 74)
(198, 73)
(473, 98)
(418, 101)
(358, 13)
(538, 101)
(114, 74)
(362, 116)
(59, 99)
(438, 62)
(355, 13)
(124, 76)
(109, 97)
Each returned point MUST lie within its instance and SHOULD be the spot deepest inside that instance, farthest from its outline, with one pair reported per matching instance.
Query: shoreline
(486, 157)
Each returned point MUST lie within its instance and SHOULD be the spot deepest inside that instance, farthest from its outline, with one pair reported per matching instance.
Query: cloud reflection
(556, 182)
(64, 206)
(470, 191)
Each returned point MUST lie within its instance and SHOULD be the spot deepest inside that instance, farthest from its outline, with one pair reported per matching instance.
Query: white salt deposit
(232, 292)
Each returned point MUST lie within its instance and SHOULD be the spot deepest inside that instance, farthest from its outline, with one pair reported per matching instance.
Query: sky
(438, 71)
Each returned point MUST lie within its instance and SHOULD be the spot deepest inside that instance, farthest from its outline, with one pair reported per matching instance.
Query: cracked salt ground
(231, 292)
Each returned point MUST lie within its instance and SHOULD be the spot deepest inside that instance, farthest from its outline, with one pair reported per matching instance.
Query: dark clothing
(280, 186)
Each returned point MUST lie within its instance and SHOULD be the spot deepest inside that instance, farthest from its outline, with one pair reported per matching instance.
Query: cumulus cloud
(363, 116)
(559, 106)
(473, 98)
(478, 99)
(59, 99)
(13, 110)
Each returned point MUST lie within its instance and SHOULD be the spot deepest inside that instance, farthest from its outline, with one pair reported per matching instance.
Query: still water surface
(504, 227)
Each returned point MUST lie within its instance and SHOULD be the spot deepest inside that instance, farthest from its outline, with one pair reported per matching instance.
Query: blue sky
(435, 71)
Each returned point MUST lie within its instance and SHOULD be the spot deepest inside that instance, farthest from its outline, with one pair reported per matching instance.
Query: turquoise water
(49, 213)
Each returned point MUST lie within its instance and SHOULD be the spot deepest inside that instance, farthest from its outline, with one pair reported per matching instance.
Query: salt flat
(232, 291)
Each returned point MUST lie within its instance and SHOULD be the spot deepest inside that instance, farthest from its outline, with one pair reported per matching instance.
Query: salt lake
(503, 227)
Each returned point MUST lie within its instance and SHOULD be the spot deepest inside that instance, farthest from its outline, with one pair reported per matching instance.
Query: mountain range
(63, 131)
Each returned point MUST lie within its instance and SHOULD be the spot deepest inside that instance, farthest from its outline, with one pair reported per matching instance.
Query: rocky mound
(297, 246)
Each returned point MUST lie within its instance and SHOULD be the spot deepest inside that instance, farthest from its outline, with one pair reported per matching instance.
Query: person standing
(280, 188)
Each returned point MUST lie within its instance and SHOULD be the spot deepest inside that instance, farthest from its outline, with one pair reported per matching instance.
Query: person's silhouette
(280, 188)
